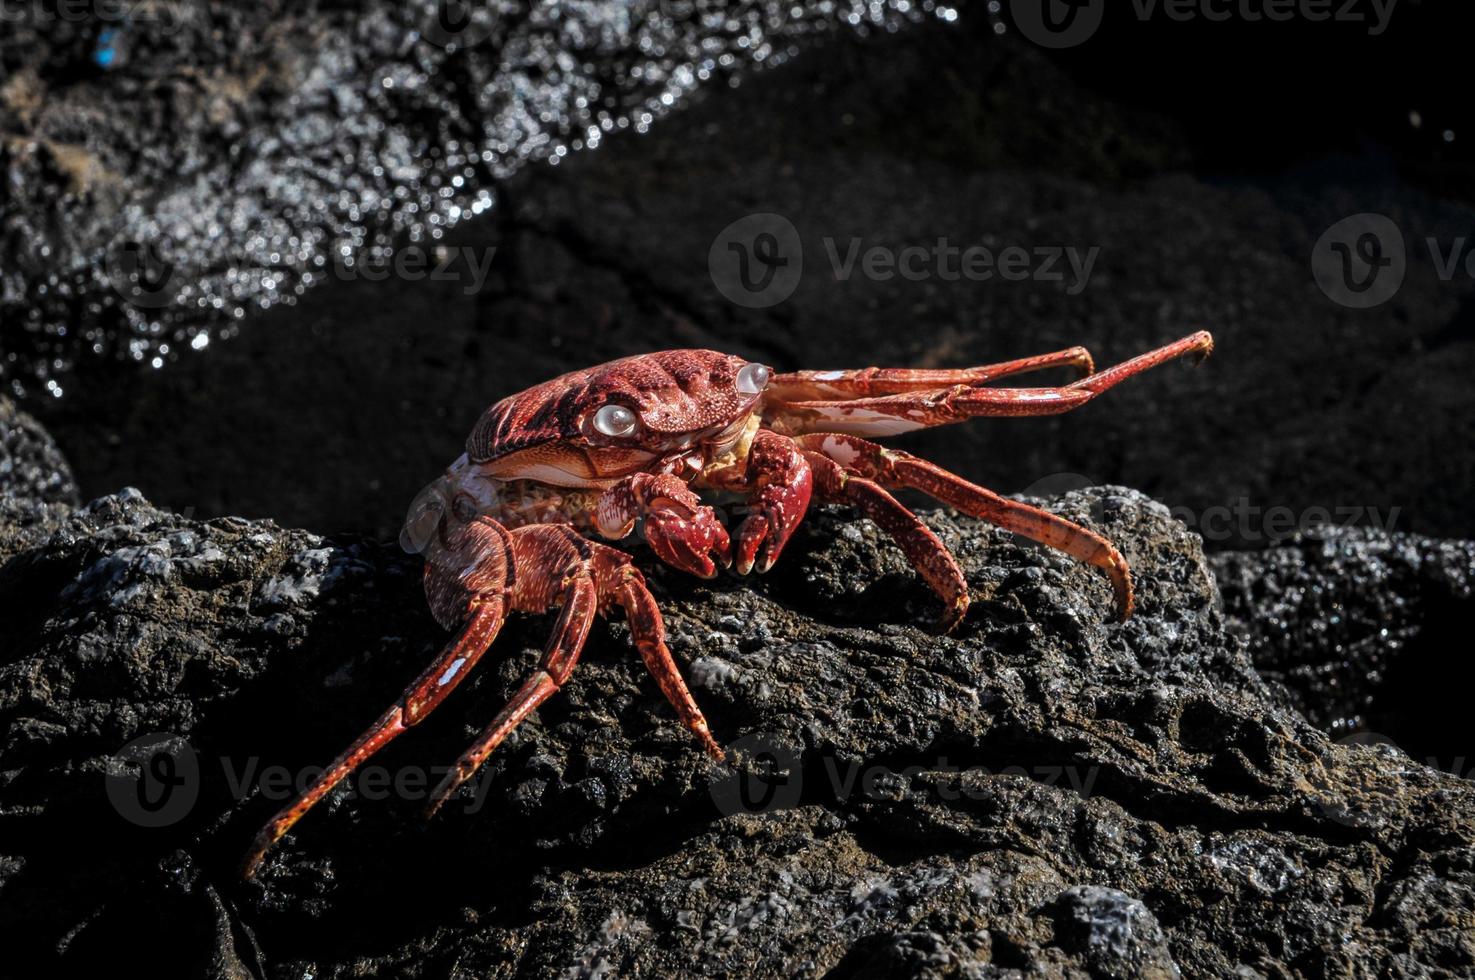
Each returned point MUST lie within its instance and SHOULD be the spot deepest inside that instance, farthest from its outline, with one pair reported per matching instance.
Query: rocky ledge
(1044, 793)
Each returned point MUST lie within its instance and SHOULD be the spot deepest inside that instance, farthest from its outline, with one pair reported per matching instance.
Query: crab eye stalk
(615, 420)
(753, 378)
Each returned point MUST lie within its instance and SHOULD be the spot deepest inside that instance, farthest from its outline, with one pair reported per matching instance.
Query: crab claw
(784, 483)
(777, 510)
(679, 529)
(686, 537)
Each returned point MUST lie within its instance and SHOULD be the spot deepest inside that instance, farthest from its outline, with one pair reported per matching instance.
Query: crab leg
(617, 579)
(894, 468)
(580, 602)
(891, 414)
(1200, 345)
(926, 552)
(418, 700)
(797, 385)
(648, 632)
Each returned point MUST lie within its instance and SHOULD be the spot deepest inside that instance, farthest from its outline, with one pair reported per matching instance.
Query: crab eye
(753, 378)
(615, 420)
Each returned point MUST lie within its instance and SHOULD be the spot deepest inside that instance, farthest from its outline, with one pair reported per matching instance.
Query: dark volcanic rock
(170, 167)
(36, 484)
(1360, 626)
(1045, 792)
(31, 467)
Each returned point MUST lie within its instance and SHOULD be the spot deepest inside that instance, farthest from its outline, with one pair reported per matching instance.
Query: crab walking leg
(889, 415)
(892, 414)
(808, 385)
(418, 700)
(894, 468)
(580, 602)
(649, 635)
(926, 552)
(1200, 344)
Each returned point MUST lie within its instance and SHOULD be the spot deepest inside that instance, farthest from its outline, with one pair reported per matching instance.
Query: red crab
(597, 451)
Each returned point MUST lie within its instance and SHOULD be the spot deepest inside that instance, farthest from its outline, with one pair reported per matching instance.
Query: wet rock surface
(37, 482)
(1044, 793)
(1362, 627)
(172, 167)
(333, 413)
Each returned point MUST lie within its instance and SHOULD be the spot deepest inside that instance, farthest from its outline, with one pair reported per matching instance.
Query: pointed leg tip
(709, 744)
(255, 858)
(953, 617)
(1204, 346)
(437, 800)
(261, 846)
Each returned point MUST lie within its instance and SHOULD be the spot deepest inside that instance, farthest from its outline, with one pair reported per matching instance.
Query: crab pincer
(683, 532)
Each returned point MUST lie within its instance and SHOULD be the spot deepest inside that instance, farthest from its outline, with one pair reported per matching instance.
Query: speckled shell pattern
(674, 392)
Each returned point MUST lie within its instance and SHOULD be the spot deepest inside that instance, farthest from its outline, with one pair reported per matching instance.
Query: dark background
(1204, 159)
